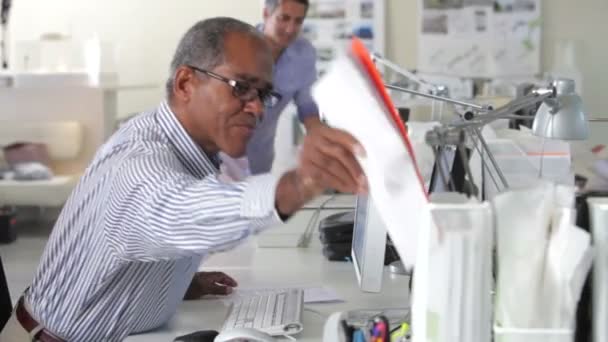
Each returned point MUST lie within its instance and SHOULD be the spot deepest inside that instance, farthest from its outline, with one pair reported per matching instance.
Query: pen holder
(532, 335)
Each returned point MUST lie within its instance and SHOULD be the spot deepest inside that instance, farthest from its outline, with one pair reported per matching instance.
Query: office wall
(145, 33)
(583, 22)
(401, 32)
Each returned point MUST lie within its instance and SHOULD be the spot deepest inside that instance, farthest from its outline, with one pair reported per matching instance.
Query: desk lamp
(561, 116)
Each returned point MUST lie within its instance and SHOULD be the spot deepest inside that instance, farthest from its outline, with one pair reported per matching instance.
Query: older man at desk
(150, 207)
(294, 73)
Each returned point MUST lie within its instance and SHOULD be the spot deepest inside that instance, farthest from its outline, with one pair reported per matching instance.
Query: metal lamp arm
(506, 111)
(515, 105)
(425, 86)
(439, 98)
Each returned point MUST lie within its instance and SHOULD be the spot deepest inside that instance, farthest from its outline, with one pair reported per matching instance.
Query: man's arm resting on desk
(210, 283)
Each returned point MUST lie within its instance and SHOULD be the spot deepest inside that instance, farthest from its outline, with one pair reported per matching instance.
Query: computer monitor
(370, 234)
(369, 245)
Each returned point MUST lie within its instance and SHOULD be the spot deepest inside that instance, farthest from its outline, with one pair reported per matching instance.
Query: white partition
(598, 208)
(94, 109)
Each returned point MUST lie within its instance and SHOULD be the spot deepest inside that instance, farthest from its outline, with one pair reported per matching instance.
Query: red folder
(360, 54)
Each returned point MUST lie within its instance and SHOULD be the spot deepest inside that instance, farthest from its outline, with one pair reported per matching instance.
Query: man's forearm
(293, 192)
(200, 215)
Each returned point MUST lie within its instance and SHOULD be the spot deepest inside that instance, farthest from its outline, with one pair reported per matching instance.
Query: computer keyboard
(275, 312)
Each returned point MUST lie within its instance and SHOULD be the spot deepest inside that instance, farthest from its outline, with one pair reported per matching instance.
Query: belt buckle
(38, 332)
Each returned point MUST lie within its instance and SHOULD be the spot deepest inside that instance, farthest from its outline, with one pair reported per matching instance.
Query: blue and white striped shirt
(132, 234)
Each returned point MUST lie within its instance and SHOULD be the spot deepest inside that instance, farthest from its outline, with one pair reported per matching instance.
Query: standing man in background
(294, 74)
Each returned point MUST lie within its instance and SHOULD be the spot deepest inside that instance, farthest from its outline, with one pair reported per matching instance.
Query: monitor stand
(396, 267)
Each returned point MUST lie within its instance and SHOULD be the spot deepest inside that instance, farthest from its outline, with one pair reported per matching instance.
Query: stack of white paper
(453, 274)
(543, 259)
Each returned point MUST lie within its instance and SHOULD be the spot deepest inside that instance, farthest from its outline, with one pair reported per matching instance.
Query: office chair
(6, 307)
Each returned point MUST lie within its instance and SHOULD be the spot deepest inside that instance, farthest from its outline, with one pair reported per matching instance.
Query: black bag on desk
(337, 251)
(341, 252)
(336, 235)
(337, 228)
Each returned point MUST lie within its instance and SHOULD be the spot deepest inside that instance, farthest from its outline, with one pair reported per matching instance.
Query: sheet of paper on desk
(348, 101)
(321, 294)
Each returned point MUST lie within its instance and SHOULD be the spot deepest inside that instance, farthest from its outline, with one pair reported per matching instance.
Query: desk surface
(276, 267)
(304, 222)
(338, 201)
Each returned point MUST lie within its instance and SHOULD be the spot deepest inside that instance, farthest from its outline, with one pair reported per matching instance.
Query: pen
(358, 336)
(375, 334)
(382, 331)
(381, 322)
(400, 333)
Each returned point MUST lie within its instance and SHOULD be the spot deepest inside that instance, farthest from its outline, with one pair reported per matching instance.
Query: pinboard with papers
(480, 38)
(331, 24)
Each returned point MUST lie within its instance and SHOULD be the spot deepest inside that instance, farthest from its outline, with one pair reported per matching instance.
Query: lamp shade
(563, 116)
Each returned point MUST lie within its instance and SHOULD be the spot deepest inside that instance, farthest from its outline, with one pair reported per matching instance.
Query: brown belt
(30, 324)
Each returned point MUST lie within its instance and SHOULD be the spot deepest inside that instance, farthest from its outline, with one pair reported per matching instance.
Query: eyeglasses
(243, 90)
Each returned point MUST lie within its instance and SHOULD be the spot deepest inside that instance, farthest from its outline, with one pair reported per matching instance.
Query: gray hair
(203, 45)
(271, 5)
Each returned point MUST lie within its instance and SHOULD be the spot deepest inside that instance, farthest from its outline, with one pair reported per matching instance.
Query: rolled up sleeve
(149, 218)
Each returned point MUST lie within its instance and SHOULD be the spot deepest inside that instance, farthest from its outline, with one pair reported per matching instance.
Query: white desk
(337, 201)
(291, 234)
(275, 267)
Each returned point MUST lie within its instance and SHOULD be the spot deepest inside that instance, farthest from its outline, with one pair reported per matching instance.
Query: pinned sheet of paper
(350, 100)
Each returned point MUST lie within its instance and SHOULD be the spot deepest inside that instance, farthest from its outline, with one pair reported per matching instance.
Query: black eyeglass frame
(243, 89)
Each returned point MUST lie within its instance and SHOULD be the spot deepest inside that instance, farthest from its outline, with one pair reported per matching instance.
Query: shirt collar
(197, 161)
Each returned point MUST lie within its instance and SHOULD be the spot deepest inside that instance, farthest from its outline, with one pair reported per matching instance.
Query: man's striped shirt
(144, 215)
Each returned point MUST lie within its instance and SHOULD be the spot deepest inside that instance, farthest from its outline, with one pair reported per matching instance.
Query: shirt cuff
(259, 199)
(307, 110)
